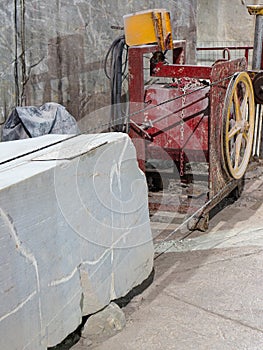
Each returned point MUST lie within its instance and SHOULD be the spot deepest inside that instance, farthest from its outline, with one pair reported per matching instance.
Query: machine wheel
(238, 124)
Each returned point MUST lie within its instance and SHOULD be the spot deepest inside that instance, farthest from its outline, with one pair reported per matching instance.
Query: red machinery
(190, 117)
(204, 114)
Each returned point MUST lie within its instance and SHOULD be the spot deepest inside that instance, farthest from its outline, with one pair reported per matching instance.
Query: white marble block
(74, 233)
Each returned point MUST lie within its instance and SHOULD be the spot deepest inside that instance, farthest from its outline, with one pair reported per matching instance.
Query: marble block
(74, 233)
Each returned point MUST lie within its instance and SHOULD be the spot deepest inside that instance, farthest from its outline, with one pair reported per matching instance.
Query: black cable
(115, 75)
(109, 52)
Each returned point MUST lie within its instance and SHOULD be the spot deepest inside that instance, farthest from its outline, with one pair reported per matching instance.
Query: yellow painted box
(146, 27)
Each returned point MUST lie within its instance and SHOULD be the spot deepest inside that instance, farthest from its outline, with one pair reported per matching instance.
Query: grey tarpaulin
(51, 118)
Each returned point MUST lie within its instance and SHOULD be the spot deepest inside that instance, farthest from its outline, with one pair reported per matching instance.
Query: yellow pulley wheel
(238, 125)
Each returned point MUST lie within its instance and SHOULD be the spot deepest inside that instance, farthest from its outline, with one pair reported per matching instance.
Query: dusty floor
(207, 290)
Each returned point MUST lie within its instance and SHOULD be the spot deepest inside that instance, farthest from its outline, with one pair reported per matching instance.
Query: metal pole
(258, 37)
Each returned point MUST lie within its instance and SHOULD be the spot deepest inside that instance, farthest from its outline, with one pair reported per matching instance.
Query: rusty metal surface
(180, 71)
(167, 119)
(222, 72)
(182, 120)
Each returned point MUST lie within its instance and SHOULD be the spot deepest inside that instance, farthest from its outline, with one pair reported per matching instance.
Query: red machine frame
(220, 184)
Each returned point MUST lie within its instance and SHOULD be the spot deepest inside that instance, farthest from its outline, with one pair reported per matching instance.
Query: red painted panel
(180, 71)
(181, 123)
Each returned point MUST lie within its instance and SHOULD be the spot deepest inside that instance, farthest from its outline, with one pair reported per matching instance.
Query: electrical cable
(118, 121)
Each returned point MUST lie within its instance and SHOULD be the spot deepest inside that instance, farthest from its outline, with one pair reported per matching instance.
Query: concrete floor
(207, 291)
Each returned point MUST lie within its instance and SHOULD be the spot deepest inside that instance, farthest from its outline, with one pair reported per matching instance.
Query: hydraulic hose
(115, 76)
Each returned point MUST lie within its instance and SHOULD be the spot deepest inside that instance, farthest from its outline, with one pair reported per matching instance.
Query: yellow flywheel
(238, 124)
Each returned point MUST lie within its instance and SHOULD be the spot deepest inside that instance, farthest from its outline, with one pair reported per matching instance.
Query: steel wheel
(238, 124)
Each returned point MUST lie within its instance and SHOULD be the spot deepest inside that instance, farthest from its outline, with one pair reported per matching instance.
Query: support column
(257, 10)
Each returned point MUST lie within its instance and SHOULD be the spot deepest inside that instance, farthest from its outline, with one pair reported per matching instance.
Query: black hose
(115, 75)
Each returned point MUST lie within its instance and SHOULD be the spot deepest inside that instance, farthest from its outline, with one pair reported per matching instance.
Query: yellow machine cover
(146, 27)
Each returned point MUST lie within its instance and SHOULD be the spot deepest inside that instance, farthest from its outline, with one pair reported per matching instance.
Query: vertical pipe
(257, 10)
(258, 38)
